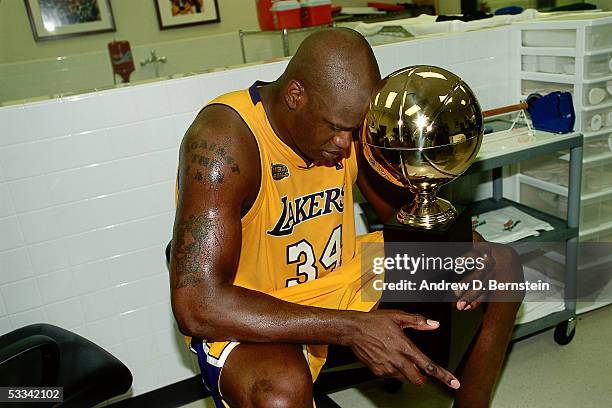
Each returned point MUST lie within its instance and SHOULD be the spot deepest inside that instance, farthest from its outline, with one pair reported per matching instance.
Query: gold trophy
(424, 129)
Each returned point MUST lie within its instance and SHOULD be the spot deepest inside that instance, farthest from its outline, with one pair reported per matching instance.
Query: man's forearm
(239, 314)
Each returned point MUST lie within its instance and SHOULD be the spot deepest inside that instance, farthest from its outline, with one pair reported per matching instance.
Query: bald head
(323, 95)
(334, 62)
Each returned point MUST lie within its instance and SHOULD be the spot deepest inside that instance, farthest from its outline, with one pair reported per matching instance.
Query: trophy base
(457, 230)
(449, 342)
(441, 212)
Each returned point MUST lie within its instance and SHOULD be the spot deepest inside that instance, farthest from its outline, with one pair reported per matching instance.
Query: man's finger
(411, 373)
(474, 304)
(466, 279)
(469, 297)
(433, 370)
(481, 275)
(415, 321)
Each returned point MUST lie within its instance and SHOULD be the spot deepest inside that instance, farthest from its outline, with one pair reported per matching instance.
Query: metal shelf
(560, 233)
(543, 323)
(572, 36)
(563, 231)
(502, 149)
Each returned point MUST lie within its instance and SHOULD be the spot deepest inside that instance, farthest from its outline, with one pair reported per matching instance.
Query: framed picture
(53, 19)
(181, 13)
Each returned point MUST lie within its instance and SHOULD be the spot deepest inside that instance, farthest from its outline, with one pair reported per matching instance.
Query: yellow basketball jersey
(301, 226)
(298, 228)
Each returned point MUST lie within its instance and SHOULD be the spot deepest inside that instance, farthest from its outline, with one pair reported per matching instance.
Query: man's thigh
(267, 375)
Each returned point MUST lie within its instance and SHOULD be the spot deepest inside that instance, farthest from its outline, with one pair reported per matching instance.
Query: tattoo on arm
(195, 238)
(213, 157)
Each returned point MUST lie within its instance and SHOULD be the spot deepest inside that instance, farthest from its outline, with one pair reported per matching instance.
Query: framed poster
(53, 19)
(181, 13)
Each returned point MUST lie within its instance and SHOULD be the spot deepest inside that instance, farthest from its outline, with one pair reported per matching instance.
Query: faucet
(155, 60)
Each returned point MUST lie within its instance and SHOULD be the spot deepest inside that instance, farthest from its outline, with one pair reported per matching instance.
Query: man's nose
(343, 139)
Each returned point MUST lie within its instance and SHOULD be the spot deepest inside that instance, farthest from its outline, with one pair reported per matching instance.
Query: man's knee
(291, 390)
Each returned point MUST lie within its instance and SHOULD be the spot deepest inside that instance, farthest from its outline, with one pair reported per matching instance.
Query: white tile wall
(2, 178)
(271, 71)
(107, 332)
(136, 265)
(57, 286)
(68, 313)
(432, 52)
(388, 58)
(49, 256)
(6, 204)
(5, 324)
(11, 233)
(12, 119)
(15, 265)
(91, 277)
(99, 304)
(2, 308)
(21, 296)
(87, 199)
(24, 318)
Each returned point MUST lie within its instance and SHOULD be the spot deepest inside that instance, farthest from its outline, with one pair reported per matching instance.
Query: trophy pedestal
(459, 230)
(441, 344)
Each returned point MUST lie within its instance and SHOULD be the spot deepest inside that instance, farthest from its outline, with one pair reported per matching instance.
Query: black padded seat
(46, 355)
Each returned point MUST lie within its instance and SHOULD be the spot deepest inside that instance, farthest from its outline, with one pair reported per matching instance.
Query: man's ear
(294, 94)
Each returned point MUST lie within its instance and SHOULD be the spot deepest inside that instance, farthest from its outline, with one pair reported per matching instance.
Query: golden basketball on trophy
(423, 129)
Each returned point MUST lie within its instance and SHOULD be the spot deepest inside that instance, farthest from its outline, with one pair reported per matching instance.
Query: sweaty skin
(314, 107)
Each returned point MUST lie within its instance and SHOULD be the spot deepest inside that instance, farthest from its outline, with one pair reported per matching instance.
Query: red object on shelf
(316, 12)
(264, 14)
(385, 6)
(121, 59)
(287, 14)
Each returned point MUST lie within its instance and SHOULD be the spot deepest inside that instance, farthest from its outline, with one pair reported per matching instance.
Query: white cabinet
(572, 53)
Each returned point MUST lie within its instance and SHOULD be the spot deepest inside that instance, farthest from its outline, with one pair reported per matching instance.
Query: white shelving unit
(572, 53)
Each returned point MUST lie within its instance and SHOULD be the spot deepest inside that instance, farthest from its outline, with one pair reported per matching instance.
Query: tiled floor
(538, 373)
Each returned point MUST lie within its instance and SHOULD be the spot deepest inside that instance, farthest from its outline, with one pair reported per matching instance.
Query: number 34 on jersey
(303, 255)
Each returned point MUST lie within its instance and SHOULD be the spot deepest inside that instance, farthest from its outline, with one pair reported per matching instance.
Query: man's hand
(380, 343)
(471, 299)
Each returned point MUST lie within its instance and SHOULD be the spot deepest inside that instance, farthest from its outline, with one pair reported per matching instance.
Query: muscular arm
(219, 177)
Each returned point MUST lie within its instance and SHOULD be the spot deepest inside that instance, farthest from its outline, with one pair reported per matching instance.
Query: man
(264, 256)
